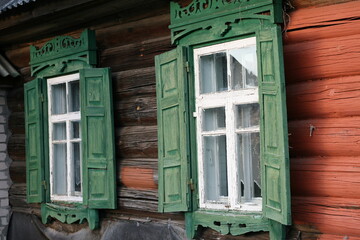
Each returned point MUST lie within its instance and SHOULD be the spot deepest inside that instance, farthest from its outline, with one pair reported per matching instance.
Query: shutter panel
(99, 181)
(34, 141)
(171, 86)
(274, 134)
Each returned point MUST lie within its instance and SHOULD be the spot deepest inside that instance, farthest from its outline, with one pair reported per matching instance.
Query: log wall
(321, 46)
(128, 47)
(321, 49)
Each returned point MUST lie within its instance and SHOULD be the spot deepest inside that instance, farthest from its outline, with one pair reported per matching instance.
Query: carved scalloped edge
(70, 214)
(215, 16)
(207, 7)
(225, 222)
(62, 46)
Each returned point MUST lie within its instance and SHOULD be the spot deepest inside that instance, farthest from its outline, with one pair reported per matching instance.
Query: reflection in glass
(243, 66)
(249, 166)
(76, 163)
(74, 96)
(213, 119)
(59, 131)
(75, 130)
(215, 168)
(213, 69)
(248, 115)
(58, 100)
(59, 171)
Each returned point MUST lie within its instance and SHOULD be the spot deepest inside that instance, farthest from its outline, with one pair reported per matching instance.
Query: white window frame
(228, 99)
(68, 117)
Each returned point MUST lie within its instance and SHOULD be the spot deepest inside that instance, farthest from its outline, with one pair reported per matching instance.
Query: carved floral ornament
(62, 53)
(204, 14)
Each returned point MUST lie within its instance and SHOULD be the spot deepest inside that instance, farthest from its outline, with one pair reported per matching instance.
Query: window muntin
(65, 138)
(227, 110)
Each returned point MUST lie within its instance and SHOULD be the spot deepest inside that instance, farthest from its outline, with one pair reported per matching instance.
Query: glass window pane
(74, 96)
(243, 66)
(249, 166)
(213, 119)
(59, 131)
(75, 130)
(248, 115)
(59, 169)
(213, 73)
(58, 98)
(215, 168)
(76, 163)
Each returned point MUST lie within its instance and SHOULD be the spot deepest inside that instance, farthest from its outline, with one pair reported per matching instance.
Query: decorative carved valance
(203, 14)
(59, 53)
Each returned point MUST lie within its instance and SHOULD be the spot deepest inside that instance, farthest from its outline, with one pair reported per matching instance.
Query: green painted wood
(34, 143)
(97, 129)
(226, 222)
(201, 15)
(64, 54)
(70, 214)
(274, 134)
(277, 230)
(173, 135)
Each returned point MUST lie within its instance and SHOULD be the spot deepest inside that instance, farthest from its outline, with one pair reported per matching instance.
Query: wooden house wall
(128, 47)
(321, 50)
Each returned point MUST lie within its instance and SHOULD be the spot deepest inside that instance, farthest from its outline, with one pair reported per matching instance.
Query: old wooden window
(70, 148)
(228, 125)
(65, 138)
(222, 127)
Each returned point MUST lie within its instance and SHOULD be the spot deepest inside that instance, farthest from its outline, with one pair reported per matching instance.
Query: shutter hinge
(191, 184)
(187, 66)
(44, 184)
(42, 97)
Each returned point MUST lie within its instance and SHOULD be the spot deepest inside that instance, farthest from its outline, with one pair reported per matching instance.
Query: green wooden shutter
(99, 181)
(34, 141)
(171, 86)
(274, 134)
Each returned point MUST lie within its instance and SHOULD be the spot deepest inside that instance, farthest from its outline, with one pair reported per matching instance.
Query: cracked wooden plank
(332, 137)
(324, 98)
(322, 58)
(340, 216)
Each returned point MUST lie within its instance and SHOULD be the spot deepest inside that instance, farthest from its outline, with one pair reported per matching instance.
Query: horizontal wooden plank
(136, 142)
(143, 216)
(325, 177)
(339, 216)
(128, 81)
(138, 177)
(324, 98)
(129, 56)
(326, 164)
(323, 16)
(322, 58)
(18, 171)
(151, 163)
(315, 3)
(153, 26)
(331, 137)
(331, 30)
(58, 22)
(136, 110)
(337, 237)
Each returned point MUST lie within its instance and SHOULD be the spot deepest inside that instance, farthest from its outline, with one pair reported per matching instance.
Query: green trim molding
(220, 14)
(234, 223)
(64, 54)
(69, 214)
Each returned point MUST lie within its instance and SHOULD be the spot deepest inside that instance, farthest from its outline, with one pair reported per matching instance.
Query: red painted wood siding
(322, 52)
